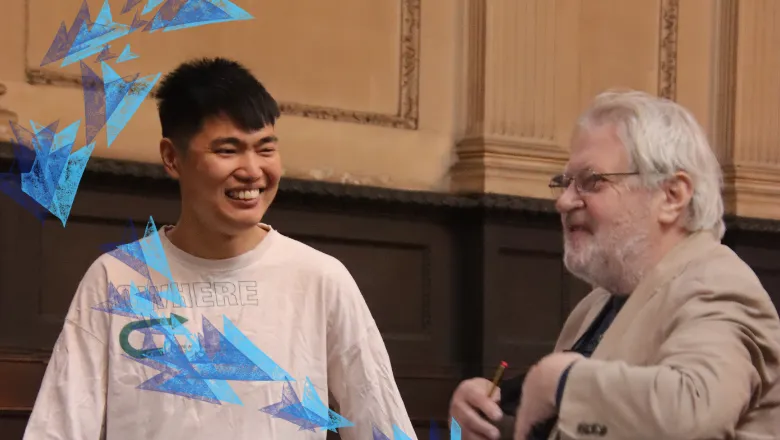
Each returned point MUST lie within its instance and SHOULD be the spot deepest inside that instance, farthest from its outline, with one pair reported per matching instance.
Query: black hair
(210, 87)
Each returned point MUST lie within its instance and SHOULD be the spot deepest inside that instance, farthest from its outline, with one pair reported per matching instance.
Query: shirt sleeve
(71, 401)
(360, 375)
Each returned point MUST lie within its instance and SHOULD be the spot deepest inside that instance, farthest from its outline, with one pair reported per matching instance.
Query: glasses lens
(558, 185)
(587, 180)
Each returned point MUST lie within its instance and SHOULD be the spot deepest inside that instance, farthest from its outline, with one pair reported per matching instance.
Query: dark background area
(456, 283)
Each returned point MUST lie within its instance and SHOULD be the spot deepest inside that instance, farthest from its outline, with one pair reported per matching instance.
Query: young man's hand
(470, 397)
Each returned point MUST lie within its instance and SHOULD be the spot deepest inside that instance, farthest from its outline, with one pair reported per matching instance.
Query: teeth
(245, 194)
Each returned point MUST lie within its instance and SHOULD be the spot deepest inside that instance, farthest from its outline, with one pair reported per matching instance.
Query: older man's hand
(541, 383)
(470, 396)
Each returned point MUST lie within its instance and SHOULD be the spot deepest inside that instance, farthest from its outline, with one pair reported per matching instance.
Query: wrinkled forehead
(597, 148)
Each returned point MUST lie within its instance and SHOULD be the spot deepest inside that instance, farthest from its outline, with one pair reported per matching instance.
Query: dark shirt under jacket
(511, 389)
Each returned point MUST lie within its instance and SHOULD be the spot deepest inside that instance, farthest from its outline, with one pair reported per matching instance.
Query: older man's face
(609, 227)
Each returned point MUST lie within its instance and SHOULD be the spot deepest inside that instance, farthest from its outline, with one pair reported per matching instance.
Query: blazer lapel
(591, 316)
(668, 268)
(580, 318)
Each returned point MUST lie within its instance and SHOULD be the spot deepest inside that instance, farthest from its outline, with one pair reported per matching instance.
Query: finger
(487, 405)
(470, 421)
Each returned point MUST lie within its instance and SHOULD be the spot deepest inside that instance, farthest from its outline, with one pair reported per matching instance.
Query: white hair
(663, 138)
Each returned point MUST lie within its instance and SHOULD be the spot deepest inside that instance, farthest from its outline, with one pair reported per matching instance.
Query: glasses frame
(561, 182)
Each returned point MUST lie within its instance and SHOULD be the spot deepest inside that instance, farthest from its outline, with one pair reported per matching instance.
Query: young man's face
(228, 176)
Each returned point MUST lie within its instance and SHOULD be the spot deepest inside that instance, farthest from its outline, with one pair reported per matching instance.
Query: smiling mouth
(244, 194)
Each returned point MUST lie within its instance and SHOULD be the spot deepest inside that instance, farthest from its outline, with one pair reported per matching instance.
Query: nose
(569, 200)
(251, 166)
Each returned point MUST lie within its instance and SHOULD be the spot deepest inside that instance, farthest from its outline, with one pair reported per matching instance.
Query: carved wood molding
(21, 412)
(26, 356)
(667, 62)
(752, 190)
(405, 118)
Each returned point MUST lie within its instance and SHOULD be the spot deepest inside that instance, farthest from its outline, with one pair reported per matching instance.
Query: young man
(229, 329)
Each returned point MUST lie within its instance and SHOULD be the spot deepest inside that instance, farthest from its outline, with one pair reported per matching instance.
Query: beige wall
(446, 95)
(380, 85)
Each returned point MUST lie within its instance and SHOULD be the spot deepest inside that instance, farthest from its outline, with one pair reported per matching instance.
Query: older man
(678, 340)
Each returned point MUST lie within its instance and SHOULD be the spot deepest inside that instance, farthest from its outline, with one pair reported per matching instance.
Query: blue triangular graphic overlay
(164, 15)
(433, 434)
(197, 370)
(64, 39)
(379, 435)
(137, 22)
(137, 254)
(196, 13)
(94, 101)
(105, 54)
(65, 193)
(24, 158)
(89, 40)
(455, 431)
(313, 403)
(112, 101)
(86, 38)
(151, 4)
(23, 148)
(49, 171)
(309, 414)
(398, 434)
(182, 14)
(129, 5)
(260, 359)
(126, 55)
(116, 88)
(132, 97)
(291, 409)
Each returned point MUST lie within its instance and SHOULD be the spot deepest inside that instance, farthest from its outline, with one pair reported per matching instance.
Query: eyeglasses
(585, 181)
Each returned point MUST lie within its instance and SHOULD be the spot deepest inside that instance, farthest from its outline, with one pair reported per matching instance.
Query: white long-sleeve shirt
(220, 350)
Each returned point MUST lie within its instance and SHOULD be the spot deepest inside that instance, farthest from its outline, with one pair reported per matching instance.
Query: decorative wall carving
(406, 117)
(667, 63)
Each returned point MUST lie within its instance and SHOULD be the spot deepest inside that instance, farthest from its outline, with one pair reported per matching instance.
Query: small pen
(497, 378)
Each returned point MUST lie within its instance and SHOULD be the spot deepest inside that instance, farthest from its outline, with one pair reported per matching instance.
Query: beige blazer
(693, 354)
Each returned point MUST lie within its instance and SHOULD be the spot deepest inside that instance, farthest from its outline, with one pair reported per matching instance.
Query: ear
(677, 194)
(171, 158)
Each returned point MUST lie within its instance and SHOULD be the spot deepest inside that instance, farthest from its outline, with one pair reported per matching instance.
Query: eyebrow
(239, 143)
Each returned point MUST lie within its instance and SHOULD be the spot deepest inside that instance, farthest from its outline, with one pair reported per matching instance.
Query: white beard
(611, 259)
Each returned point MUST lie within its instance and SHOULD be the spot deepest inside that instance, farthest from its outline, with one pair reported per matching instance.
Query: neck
(192, 237)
